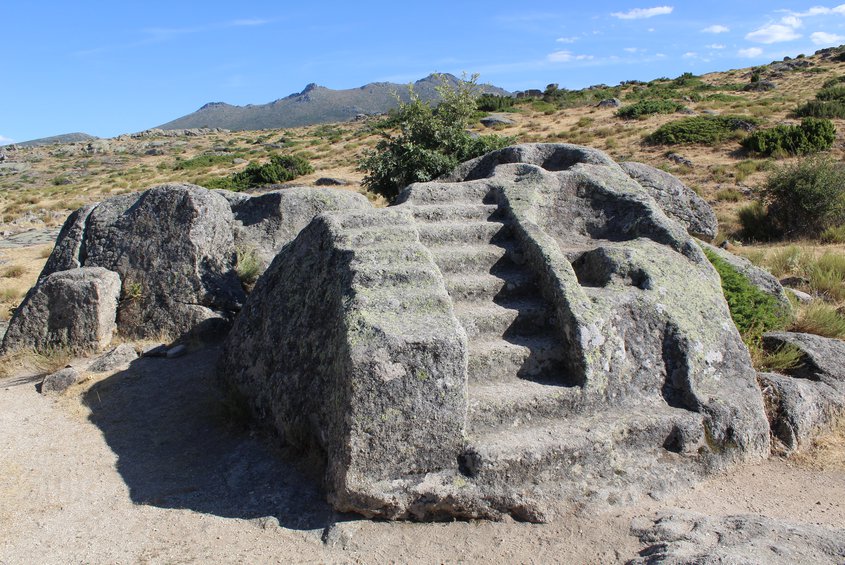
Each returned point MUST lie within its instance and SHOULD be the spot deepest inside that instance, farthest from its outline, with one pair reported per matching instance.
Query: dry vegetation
(62, 177)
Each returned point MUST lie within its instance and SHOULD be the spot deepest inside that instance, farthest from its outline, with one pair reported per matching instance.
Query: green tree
(429, 141)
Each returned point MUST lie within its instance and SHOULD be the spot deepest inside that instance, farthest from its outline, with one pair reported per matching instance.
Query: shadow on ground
(176, 448)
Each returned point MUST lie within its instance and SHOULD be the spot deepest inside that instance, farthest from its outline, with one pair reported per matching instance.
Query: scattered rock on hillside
(760, 86)
(493, 121)
(676, 199)
(800, 295)
(73, 309)
(679, 159)
(120, 356)
(610, 103)
(681, 537)
(824, 358)
(60, 381)
(330, 181)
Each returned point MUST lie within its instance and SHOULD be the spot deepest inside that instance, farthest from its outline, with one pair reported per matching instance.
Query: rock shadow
(179, 447)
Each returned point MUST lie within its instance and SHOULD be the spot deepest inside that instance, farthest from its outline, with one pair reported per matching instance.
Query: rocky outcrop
(804, 404)
(685, 537)
(515, 334)
(73, 310)
(175, 247)
(676, 199)
(60, 381)
(268, 221)
(120, 356)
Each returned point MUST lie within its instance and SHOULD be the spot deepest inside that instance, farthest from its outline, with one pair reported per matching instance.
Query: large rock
(175, 248)
(529, 330)
(676, 199)
(808, 401)
(73, 310)
(680, 537)
(268, 221)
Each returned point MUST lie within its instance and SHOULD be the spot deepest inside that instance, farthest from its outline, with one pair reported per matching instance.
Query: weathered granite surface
(530, 330)
(73, 310)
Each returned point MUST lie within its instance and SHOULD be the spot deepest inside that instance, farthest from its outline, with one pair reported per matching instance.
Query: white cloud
(792, 21)
(651, 30)
(716, 29)
(640, 13)
(6, 140)
(566, 57)
(773, 33)
(820, 11)
(566, 39)
(631, 49)
(690, 55)
(750, 53)
(715, 46)
(824, 38)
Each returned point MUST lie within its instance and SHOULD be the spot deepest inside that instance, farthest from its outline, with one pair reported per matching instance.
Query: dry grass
(827, 451)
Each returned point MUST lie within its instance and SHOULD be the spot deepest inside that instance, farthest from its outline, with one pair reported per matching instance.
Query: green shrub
(648, 107)
(493, 103)
(753, 311)
(833, 235)
(201, 162)
(248, 267)
(820, 109)
(806, 198)
(429, 143)
(728, 195)
(833, 81)
(812, 136)
(831, 93)
(705, 130)
(281, 168)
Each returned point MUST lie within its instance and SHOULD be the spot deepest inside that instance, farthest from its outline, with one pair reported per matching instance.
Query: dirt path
(145, 466)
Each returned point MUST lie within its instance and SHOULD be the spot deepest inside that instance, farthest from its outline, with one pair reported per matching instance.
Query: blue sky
(108, 68)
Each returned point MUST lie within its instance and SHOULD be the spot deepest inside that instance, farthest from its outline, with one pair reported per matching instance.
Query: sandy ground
(145, 466)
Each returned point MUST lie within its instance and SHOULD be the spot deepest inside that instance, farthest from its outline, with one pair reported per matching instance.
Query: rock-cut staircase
(526, 422)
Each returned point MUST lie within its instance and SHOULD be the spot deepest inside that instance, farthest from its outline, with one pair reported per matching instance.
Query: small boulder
(610, 103)
(493, 121)
(329, 181)
(120, 356)
(676, 199)
(800, 295)
(74, 310)
(760, 86)
(60, 381)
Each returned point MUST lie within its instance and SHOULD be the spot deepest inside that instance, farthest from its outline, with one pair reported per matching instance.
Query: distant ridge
(54, 139)
(314, 105)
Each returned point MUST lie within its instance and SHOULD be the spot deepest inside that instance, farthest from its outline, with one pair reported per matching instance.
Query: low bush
(202, 162)
(836, 92)
(281, 168)
(833, 81)
(812, 136)
(649, 107)
(704, 130)
(493, 103)
(806, 198)
(753, 311)
(833, 235)
(429, 142)
(820, 109)
(728, 195)
(820, 319)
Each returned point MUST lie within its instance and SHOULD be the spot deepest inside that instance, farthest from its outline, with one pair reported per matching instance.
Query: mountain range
(316, 105)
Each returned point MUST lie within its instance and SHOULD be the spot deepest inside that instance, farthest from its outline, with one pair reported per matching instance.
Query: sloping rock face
(803, 404)
(175, 249)
(74, 310)
(563, 339)
(676, 199)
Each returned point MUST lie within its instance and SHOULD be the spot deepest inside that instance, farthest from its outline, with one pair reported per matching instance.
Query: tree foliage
(429, 141)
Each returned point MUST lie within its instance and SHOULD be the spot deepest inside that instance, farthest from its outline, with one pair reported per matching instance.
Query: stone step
(522, 316)
(478, 258)
(365, 219)
(485, 287)
(497, 360)
(443, 233)
(378, 236)
(386, 275)
(456, 212)
(514, 403)
(450, 193)
(586, 446)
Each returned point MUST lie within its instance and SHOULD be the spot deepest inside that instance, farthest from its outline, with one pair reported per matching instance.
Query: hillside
(314, 105)
(75, 137)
